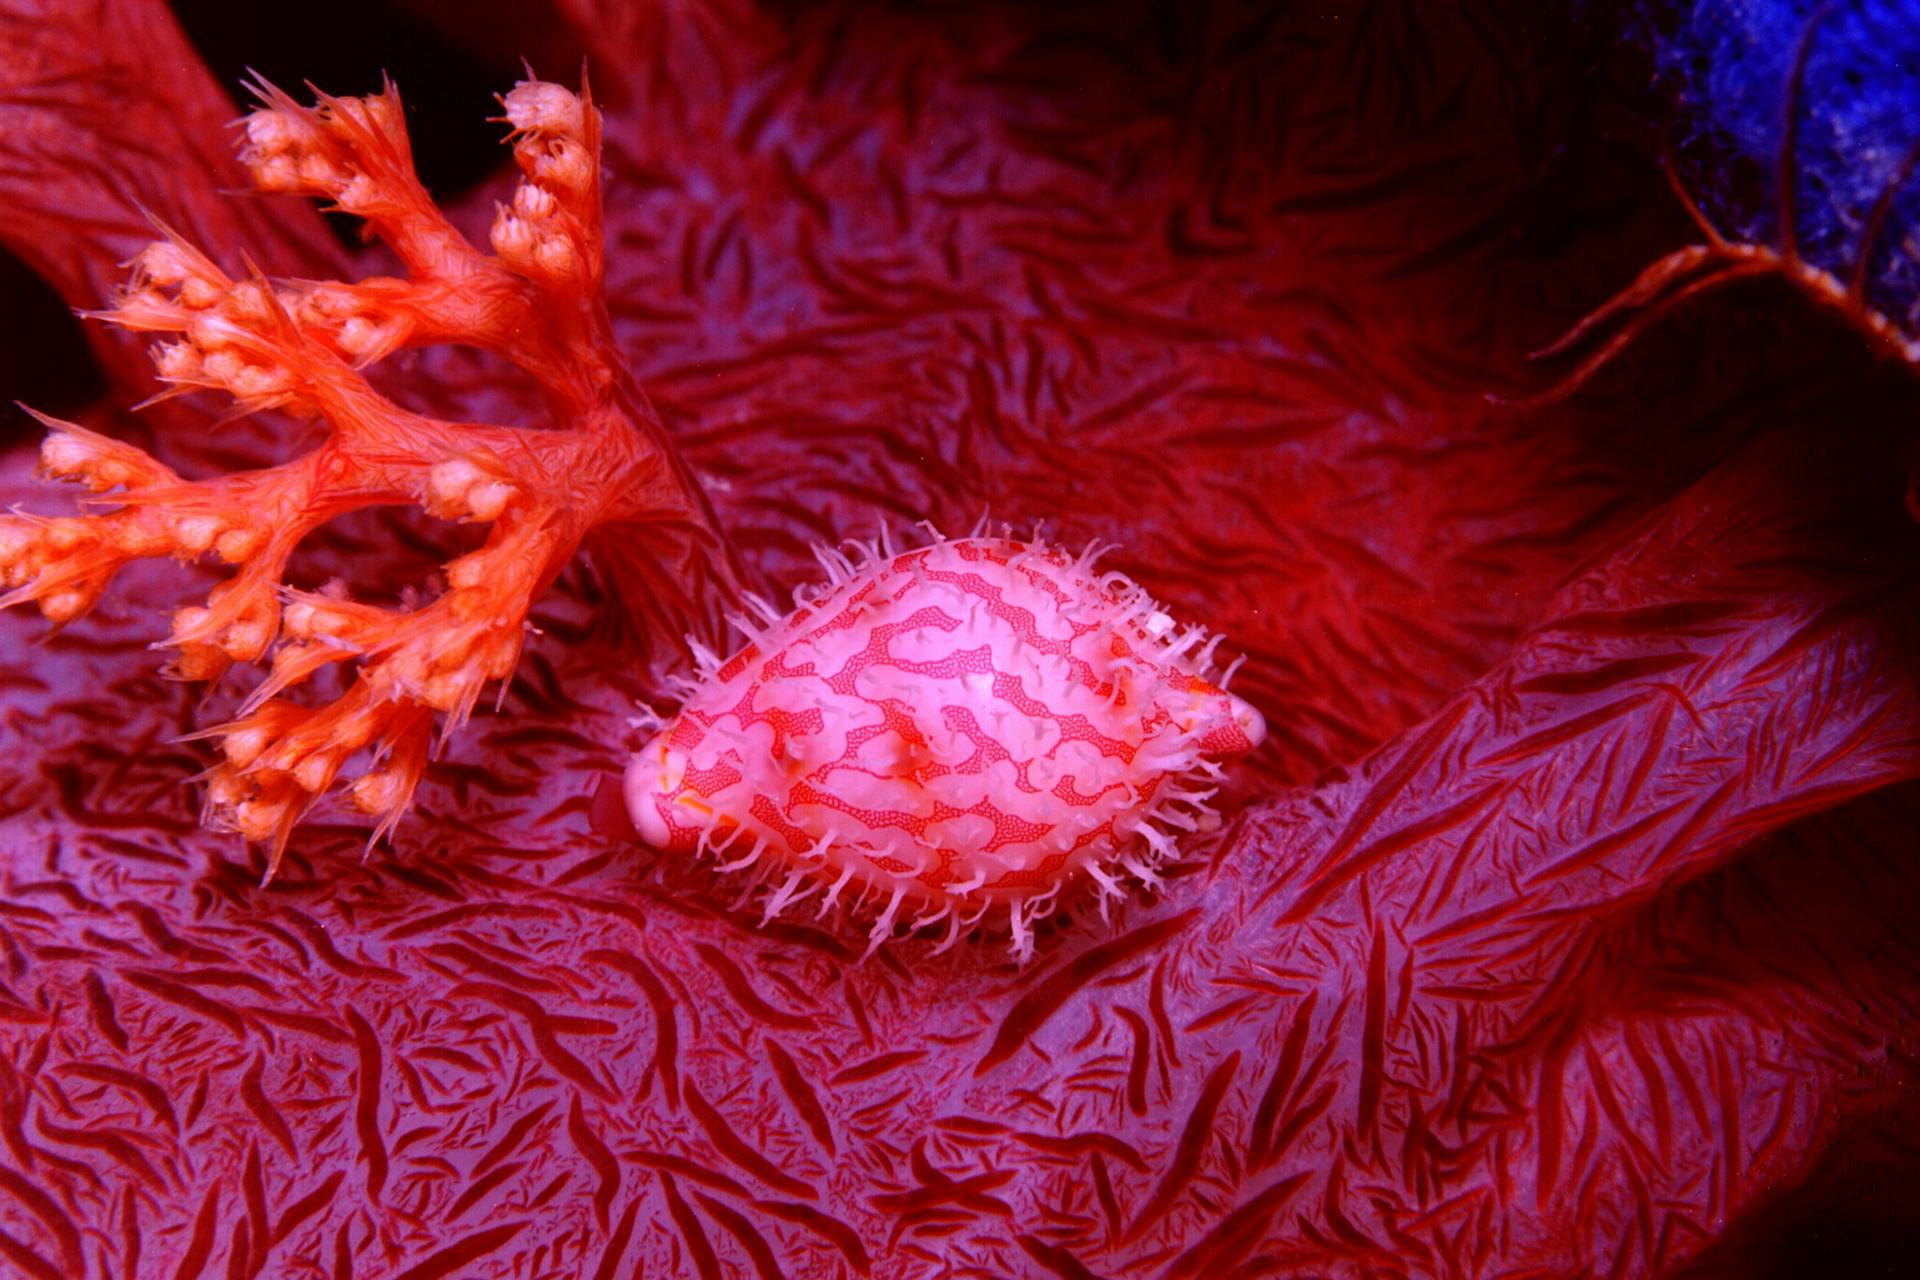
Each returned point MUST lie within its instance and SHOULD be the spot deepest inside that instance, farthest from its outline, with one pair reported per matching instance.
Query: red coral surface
(1564, 926)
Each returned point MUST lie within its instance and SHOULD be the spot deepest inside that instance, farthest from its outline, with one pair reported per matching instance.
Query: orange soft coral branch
(537, 302)
(300, 345)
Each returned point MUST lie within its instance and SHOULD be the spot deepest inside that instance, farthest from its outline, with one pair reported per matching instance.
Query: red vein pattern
(898, 733)
(1561, 927)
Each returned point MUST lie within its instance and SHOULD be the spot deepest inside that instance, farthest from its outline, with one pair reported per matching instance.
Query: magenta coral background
(1565, 925)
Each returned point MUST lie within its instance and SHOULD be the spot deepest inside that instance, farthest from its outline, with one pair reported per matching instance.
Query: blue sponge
(1858, 120)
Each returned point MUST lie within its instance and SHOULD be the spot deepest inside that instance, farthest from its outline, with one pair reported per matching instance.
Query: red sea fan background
(1565, 923)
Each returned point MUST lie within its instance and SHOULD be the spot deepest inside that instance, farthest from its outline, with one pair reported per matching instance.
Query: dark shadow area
(44, 360)
(448, 86)
(1744, 359)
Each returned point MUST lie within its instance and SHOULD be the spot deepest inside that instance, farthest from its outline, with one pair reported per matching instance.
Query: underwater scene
(736, 638)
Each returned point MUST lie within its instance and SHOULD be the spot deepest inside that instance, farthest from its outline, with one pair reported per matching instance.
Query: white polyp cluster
(544, 233)
(240, 619)
(245, 380)
(559, 164)
(232, 795)
(222, 324)
(534, 203)
(358, 326)
(91, 460)
(16, 538)
(311, 617)
(65, 562)
(950, 736)
(461, 489)
(532, 252)
(169, 264)
(286, 151)
(542, 107)
(29, 546)
(381, 791)
(542, 253)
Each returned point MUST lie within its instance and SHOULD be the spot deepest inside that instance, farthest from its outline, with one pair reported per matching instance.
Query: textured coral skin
(1564, 929)
(967, 725)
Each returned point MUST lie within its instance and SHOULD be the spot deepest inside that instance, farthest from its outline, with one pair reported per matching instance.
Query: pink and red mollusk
(968, 725)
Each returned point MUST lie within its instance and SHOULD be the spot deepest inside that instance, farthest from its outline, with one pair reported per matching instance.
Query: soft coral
(301, 345)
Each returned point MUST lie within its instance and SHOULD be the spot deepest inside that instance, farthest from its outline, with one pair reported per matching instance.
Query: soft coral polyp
(301, 346)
